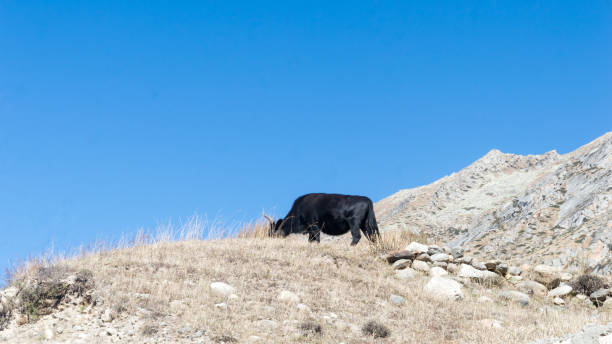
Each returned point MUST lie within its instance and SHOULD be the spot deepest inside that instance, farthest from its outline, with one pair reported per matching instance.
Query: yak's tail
(371, 228)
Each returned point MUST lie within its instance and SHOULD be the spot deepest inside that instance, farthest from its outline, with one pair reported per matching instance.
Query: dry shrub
(224, 339)
(148, 330)
(587, 284)
(375, 329)
(310, 327)
(258, 229)
(395, 240)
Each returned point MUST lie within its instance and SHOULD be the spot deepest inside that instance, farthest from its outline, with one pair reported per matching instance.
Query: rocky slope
(550, 208)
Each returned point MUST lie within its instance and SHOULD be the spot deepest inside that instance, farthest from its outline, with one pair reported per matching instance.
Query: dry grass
(395, 240)
(258, 229)
(165, 277)
(171, 281)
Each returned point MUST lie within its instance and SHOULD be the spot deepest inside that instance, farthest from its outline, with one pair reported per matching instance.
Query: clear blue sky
(117, 115)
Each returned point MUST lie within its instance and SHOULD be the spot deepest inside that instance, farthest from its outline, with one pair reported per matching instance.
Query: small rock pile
(447, 265)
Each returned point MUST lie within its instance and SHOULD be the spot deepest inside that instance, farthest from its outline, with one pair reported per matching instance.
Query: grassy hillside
(160, 292)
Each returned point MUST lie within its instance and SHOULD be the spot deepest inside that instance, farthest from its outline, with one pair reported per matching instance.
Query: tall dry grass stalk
(258, 229)
(395, 240)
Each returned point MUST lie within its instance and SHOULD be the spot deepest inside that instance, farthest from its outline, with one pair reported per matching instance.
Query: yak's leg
(355, 232)
(314, 234)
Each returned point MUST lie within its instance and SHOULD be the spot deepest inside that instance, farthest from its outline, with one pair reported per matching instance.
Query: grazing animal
(331, 214)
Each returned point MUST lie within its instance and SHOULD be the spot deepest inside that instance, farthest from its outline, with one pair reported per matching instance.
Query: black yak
(331, 214)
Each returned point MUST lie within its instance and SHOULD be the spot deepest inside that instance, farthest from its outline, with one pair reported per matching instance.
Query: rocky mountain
(549, 208)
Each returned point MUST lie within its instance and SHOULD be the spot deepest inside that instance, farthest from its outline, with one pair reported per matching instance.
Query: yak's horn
(267, 217)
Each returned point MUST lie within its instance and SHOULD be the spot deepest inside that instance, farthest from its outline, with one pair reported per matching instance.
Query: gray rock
(558, 301)
(401, 264)
(423, 257)
(457, 252)
(514, 270)
(434, 249)
(441, 264)
(397, 300)
(288, 297)
(452, 268)
(479, 265)
(560, 291)
(221, 289)
(420, 265)
(417, 247)
(547, 275)
(532, 287)
(482, 276)
(502, 269)
(437, 271)
(513, 295)
(107, 316)
(440, 257)
(267, 324)
(405, 274)
(441, 288)
(599, 297)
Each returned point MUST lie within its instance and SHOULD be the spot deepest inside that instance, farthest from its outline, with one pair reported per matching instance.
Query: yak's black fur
(331, 214)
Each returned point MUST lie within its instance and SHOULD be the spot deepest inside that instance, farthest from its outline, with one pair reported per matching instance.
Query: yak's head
(280, 227)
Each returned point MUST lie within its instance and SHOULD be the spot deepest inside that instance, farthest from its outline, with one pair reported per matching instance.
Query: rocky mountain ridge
(549, 208)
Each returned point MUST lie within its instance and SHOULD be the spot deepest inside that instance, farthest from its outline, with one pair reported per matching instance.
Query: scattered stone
(288, 297)
(221, 289)
(254, 339)
(514, 279)
(490, 323)
(397, 255)
(581, 297)
(532, 287)
(479, 266)
(481, 276)
(514, 270)
(599, 297)
(405, 274)
(464, 260)
(434, 249)
(484, 299)
(565, 276)
(59, 330)
(107, 316)
(441, 264)
(49, 333)
(513, 295)
(491, 265)
(420, 265)
(437, 271)
(441, 257)
(560, 291)
(401, 264)
(268, 324)
(547, 275)
(441, 288)
(502, 269)
(304, 308)
(558, 301)
(416, 247)
(397, 300)
(222, 306)
(457, 252)
(423, 257)
(452, 268)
